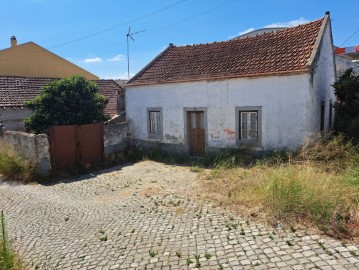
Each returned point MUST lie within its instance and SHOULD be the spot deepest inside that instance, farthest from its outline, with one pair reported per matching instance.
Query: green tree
(69, 101)
(347, 91)
(347, 105)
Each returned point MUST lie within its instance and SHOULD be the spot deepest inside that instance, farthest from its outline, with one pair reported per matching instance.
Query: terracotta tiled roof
(15, 91)
(110, 89)
(281, 52)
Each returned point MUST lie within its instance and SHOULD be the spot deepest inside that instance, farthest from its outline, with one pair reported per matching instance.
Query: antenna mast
(130, 35)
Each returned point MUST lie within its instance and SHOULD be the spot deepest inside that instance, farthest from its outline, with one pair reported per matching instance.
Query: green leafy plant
(179, 254)
(152, 253)
(289, 243)
(207, 256)
(198, 263)
(69, 101)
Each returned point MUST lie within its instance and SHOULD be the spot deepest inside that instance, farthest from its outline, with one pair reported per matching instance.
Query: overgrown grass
(13, 167)
(8, 259)
(319, 185)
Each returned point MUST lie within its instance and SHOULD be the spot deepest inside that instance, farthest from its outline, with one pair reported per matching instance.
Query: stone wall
(35, 148)
(115, 138)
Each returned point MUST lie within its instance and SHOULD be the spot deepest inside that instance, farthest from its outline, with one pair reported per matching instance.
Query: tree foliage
(347, 91)
(69, 101)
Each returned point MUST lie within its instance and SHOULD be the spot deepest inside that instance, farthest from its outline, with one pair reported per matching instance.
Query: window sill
(249, 143)
(155, 136)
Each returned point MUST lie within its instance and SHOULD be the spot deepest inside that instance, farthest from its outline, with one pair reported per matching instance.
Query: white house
(270, 91)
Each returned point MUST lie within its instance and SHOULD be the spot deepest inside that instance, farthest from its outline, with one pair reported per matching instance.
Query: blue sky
(92, 34)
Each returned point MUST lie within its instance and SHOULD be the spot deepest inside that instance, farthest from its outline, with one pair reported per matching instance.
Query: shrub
(70, 101)
(347, 105)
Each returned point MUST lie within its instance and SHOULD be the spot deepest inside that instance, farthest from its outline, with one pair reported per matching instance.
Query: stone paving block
(147, 216)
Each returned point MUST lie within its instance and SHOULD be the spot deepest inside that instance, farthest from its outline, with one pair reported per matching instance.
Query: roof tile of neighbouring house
(281, 52)
(15, 91)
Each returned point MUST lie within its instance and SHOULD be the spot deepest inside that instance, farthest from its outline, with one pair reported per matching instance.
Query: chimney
(13, 41)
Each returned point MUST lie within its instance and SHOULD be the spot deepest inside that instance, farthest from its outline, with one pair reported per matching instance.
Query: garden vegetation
(318, 186)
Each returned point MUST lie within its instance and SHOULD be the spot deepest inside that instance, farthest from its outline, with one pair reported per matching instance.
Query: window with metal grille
(249, 125)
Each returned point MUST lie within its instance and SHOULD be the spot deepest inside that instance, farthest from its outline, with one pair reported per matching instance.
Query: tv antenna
(130, 35)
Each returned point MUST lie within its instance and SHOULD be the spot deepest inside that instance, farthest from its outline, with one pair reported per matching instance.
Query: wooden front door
(196, 133)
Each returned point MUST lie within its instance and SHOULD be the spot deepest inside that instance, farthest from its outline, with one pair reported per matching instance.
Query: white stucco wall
(322, 81)
(283, 100)
(12, 118)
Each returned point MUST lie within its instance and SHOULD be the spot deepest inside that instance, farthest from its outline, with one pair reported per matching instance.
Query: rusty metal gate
(74, 146)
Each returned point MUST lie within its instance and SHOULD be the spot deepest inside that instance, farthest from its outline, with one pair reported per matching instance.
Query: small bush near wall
(13, 167)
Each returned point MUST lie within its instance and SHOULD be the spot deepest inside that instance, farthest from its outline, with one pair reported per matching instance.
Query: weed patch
(318, 185)
(13, 167)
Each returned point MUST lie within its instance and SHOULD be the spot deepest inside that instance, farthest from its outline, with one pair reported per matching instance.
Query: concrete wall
(342, 64)
(283, 100)
(12, 118)
(21, 60)
(34, 148)
(321, 84)
(115, 138)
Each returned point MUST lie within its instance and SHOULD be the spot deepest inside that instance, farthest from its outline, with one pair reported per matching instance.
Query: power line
(119, 25)
(345, 41)
(165, 27)
(352, 35)
(102, 31)
(191, 17)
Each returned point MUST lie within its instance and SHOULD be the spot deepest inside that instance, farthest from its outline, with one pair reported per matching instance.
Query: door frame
(186, 110)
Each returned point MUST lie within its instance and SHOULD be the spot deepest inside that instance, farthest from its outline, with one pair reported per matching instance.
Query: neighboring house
(270, 91)
(15, 91)
(346, 58)
(32, 60)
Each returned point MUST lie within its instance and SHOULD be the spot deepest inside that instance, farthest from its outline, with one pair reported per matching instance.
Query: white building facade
(264, 112)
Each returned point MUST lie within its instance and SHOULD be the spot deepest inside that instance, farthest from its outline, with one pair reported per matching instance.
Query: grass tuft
(13, 167)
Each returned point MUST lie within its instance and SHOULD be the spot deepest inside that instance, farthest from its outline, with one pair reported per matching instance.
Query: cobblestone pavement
(145, 216)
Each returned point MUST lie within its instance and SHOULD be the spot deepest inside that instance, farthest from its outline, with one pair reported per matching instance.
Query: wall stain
(231, 134)
(215, 137)
(171, 138)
